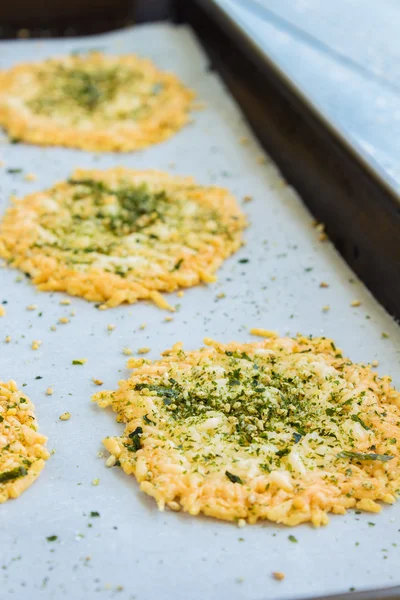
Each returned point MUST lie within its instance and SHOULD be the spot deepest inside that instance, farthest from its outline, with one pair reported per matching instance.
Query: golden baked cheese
(283, 429)
(121, 235)
(22, 448)
(92, 101)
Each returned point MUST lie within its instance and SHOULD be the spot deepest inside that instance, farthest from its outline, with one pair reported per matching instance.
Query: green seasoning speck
(13, 474)
(94, 513)
(233, 478)
(364, 456)
(135, 437)
(52, 538)
(291, 538)
(78, 362)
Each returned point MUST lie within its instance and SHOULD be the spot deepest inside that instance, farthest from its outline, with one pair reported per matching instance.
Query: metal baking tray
(132, 550)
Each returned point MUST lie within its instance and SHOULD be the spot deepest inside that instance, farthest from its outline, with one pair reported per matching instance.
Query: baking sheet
(132, 550)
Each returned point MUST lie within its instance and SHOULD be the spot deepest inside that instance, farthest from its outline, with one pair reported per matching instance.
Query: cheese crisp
(120, 235)
(284, 429)
(92, 101)
(22, 448)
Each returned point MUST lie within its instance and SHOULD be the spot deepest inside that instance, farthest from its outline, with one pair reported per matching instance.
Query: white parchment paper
(132, 550)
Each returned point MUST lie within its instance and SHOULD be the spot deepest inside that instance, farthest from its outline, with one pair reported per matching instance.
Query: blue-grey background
(345, 55)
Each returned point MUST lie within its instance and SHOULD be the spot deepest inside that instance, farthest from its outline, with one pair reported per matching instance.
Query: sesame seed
(374, 363)
(49, 391)
(326, 308)
(31, 307)
(278, 575)
(355, 303)
(323, 284)
(144, 350)
(30, 177)
(65, 416)
(97, 381)
(65, 302)
(63, 320)
(111, 460)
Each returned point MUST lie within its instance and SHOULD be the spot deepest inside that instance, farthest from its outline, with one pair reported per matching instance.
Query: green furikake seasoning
(284, 429)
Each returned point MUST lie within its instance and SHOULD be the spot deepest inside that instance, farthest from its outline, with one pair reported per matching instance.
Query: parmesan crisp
(120, 235)
(92, 101)
(22, 448)
(283, 429)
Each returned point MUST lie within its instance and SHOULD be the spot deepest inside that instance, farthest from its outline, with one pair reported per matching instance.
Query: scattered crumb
(320, 227)
(65, 302)
(168, 319)
(171, 165)
(143, 326)
(111, 327)
(2, 311)
(144, 350)
(180, 294)
(326, 308)
(49, 391)
(97, 381)
(314, 223)
(63, 320)
(263, 332)
(7, 339)
(221, 295)
(53, 328)
(30, 177)
(322, 237)
(278, 575)
(261, 160)
(374, 363)
(65, 416)
(73, 313)
(241, 523)
(323, 284)
(96, 481)
(103, 307)
(36, 344)
(355, 303)
(127, 351)
(244, 141)
(31, 307)
(385, 335)
(247, 198)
